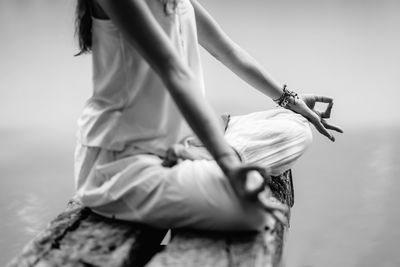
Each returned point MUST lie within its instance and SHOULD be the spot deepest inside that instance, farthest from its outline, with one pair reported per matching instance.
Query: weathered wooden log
(79, 237)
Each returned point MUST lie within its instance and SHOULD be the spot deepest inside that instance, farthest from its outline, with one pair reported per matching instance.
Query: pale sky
(345, 49)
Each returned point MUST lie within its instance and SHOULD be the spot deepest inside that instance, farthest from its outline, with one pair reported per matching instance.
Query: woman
(136, 157)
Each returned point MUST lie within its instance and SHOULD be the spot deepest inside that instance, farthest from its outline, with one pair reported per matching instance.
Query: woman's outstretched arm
(223, 48)
(218, 43)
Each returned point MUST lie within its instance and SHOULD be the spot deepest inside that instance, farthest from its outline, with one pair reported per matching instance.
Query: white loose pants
(196, 194)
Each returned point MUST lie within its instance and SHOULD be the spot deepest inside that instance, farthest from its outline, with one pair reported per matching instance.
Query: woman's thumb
(254, 182)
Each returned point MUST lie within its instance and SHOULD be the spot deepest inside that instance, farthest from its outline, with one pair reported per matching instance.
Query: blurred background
(347, 192)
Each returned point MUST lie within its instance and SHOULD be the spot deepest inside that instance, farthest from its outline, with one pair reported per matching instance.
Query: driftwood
(79, 237)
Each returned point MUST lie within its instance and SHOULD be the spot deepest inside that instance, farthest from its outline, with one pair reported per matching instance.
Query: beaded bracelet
(284, 99)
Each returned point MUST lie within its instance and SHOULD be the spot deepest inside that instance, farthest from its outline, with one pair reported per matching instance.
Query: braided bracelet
(284, 99)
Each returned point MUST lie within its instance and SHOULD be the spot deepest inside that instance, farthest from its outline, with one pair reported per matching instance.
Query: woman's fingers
(317, 117)
(323, 99)
(280, 217)
(328, 110)
(278, 210)
(327, 113)
(248, 180)
(255, 183)
(331, 126)
(315, 120)
(270, 205)
(314, 117)
(251, 182)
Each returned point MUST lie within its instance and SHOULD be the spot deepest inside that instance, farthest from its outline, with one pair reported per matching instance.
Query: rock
(79, 237)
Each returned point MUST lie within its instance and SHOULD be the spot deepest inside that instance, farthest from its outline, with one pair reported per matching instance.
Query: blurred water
(36, 183)
(346, 193)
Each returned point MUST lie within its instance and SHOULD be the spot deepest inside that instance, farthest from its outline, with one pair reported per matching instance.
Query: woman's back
(130, 104)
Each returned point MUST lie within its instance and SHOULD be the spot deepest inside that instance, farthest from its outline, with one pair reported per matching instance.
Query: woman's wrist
(228, 161)
(287, 98)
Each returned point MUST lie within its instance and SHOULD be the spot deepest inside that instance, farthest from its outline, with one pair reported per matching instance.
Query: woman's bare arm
(138, 25)
(218, 43)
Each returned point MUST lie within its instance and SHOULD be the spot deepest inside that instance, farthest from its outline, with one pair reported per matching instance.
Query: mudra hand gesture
(305, 106)
(257, 179)
(252, 182)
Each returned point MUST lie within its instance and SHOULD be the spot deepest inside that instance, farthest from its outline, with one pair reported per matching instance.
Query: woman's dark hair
(83, 26)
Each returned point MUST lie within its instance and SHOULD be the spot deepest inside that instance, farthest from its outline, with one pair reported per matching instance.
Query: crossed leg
(195, 193)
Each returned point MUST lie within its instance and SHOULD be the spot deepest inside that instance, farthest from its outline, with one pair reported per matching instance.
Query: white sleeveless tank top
(130, 105)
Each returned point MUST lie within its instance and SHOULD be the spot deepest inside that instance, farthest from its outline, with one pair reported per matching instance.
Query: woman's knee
(299, 134)
(294, 129)
(295, 139)
(277, 142)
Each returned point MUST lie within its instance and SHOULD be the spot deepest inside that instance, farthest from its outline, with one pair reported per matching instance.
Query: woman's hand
(251, 183)
(305, 105)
